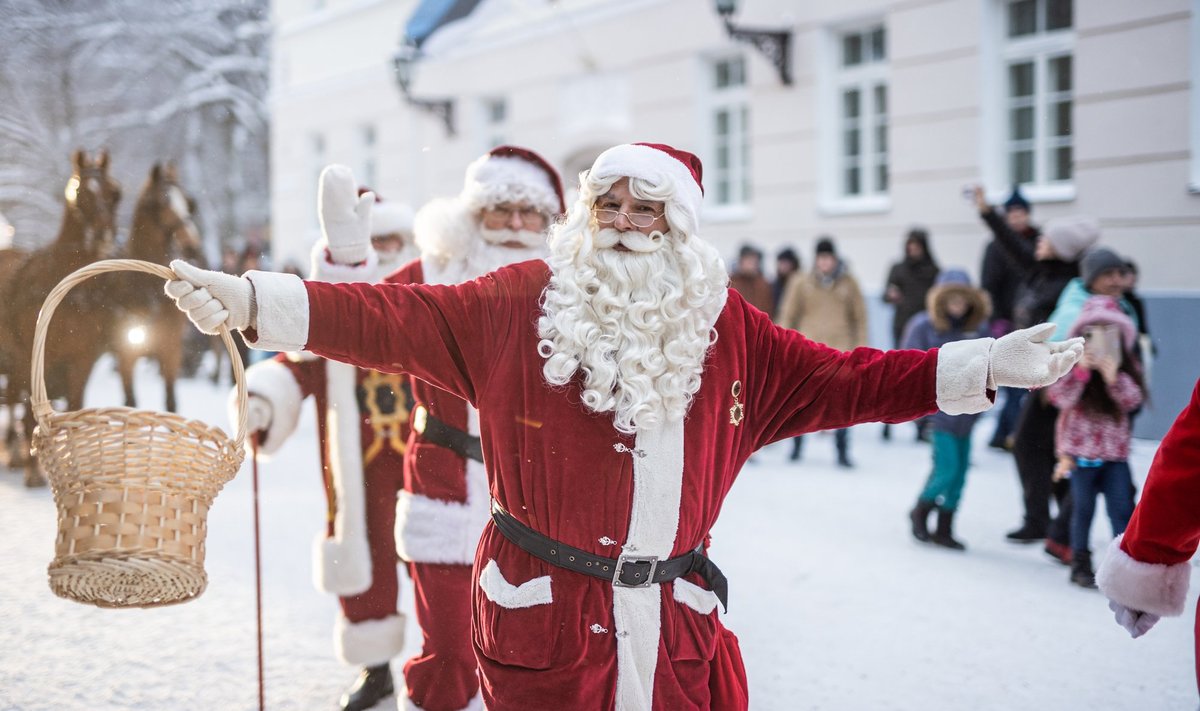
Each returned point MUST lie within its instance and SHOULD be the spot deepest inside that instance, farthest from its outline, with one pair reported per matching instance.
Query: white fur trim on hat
(655, 166)
(491, 180)
(962, 373)
(370, 642)
(391, 217)
(275, 383)
(1148, 587)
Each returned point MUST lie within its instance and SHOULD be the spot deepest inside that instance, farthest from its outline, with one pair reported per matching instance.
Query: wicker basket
(132, 487)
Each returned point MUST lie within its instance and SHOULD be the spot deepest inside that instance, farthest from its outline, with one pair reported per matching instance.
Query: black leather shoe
(373, 685)
(1026, 534)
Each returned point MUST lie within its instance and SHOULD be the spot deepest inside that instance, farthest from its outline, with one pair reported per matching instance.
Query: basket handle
(38, 400)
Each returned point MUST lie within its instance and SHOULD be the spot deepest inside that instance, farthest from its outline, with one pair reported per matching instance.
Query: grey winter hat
(1097, 261)
(1071, 236)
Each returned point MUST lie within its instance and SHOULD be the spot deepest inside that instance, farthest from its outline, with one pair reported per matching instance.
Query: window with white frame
(367, 138)
(729, 132)
(1037, 86)
(494, 114)
(862, 113)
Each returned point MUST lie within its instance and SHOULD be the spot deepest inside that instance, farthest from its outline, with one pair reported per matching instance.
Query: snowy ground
(835, 605)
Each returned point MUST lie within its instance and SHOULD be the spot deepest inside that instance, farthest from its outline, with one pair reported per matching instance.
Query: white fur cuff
(282, 318)
(962, 373)
(342, 568)
(274, 382)
(1146, 587)
(370, 642)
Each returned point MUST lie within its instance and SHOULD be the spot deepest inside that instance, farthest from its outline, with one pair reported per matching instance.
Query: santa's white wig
(634, 326)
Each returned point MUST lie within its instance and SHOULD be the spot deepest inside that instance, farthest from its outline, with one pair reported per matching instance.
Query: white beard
(525, 238)
(485, 257)
(634, 326)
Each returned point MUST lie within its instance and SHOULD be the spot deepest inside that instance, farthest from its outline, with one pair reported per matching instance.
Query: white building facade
(893, 107)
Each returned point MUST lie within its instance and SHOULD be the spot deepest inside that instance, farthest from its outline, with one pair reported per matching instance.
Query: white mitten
(212, 298)
(1023, 359)
(1136, 622)
(258, 414)
(345, 216)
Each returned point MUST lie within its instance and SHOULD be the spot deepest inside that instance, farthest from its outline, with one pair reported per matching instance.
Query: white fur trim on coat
(342, 563)
(326, 270)
(694, 596)
(1148, 587)
(962, 373)
(432, 530)
(273, 382)
(513, 597)
(282, 317)
(653, 525)
(370, 642)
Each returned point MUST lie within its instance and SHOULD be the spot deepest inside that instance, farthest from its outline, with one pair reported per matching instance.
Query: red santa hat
(659, 164)
(513, 174)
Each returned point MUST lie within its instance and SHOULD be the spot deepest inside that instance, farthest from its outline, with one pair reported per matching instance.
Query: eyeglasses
(528, 213)
(607, 217)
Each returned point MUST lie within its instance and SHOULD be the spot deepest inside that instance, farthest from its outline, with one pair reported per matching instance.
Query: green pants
(951, 457)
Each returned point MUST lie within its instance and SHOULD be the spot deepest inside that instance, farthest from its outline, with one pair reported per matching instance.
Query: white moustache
(609, 237)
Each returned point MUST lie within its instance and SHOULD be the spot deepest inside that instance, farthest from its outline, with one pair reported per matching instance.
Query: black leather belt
(627, 571)
(434, 431)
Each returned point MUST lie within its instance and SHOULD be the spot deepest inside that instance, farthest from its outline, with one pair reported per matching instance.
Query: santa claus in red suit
(621, 387)
(1146, 572)
(362, 431)
(509, 198)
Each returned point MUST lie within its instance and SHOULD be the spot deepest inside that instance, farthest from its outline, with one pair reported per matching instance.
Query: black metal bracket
(442, 109)
(775, 45)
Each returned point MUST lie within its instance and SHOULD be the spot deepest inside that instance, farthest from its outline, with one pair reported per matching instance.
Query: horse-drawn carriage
(126, 315)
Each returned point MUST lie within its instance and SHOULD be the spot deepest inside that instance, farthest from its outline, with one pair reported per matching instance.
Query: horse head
(92, 196)
(164, 227)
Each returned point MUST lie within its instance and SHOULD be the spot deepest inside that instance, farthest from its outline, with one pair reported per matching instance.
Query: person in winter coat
(954, 311)
(1001, 277)
(908, 281)
(1093, 430)
(610, 446)
(787, 263)
(1050, 264)
(1146, 571)
(362, 425)
(827, 306)
(747, 279)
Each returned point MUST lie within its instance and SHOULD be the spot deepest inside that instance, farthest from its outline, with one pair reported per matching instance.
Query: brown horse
(149, 325)
(79, 331)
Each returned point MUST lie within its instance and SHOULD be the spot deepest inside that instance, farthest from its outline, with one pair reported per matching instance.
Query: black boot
(920, 519)
(944, 535)
(1027, 534)
(1081, 569)
(373, 685)
(797, 447)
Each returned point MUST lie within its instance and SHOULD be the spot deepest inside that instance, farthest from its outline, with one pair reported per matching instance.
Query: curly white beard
(634, 325)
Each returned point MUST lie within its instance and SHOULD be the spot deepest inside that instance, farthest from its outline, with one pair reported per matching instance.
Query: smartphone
(1102, 342)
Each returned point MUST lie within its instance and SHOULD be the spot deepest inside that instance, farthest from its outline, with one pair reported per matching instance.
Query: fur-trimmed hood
(956, 281)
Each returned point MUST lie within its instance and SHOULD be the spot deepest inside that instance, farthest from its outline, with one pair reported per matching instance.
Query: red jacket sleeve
(1165, 528)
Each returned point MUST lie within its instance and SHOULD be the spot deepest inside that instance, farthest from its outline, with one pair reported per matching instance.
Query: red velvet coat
(566, 472)
(1147, 568)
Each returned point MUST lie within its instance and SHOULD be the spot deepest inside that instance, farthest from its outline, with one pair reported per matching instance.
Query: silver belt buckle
(623, 559)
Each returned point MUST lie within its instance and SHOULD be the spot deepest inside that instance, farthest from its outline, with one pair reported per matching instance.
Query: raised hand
(345, 215)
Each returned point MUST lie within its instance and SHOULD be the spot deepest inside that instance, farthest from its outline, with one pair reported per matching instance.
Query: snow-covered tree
(181, 80)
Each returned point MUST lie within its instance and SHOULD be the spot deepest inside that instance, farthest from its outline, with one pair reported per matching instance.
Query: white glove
(1136, 622)
(258, 415)
(1023, 359)
(345, 216)
(212, 298)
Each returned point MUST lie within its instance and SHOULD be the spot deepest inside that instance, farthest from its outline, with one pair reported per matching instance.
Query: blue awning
(431, 15)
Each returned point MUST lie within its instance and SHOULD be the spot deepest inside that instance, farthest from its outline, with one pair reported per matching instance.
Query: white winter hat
(391, 217)
(1071, 236)
(512, 174)
(659, 164)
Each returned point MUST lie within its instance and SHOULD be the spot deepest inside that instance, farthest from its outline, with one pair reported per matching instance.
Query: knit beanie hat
(1016, 200)
(1105, 311)
(1071, 236)
(825, 246)
(1097, 261)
